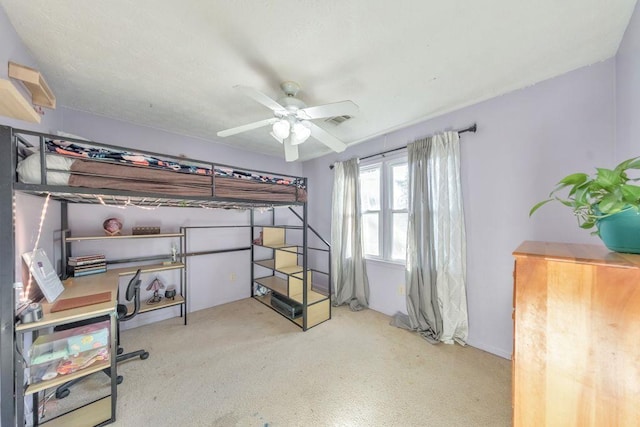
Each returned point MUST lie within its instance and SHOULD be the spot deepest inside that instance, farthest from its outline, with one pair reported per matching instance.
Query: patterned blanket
(74, 150)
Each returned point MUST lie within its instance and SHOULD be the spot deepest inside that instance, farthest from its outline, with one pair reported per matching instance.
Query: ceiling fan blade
(342, 108)
(244, 128)
(261, 98)
(326, 138)
(290, 150)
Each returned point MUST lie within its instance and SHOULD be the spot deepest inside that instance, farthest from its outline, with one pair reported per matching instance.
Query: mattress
(75, 165)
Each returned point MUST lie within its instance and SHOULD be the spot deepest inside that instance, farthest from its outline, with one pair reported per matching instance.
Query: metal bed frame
(9, 185)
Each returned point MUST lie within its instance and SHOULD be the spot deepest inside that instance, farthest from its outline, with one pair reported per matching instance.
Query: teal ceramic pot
(621, 232)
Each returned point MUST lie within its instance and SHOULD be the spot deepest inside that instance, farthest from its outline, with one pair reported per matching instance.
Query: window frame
(385, 225)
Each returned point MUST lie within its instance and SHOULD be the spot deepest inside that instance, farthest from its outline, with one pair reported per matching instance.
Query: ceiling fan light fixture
(281, 129)
(299, 133)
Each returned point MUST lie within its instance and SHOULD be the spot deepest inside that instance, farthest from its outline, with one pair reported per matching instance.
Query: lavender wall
(29, 208)
(526, 141)
(628, 91)
(117, 132)
(12, 49)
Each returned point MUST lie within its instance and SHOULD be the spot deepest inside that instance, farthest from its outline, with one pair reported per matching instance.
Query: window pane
(370, 189)
(399, 238)
(370, 222)
(400, 188)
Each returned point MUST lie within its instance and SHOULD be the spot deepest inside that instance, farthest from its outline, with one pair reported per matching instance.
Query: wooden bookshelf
(41, 94)
(14, 105)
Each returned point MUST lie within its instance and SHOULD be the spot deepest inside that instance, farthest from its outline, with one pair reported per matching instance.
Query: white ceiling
(172, 65)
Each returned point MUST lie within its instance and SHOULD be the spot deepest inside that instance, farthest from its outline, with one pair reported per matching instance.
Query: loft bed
(83, 171)
(78, 171)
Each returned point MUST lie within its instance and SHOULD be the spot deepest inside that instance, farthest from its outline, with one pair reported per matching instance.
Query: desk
(100, 411)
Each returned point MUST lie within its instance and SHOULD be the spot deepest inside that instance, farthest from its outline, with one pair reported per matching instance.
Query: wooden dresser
(576, 350)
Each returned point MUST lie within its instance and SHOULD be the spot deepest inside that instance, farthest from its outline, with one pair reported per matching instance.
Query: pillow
(29, 169)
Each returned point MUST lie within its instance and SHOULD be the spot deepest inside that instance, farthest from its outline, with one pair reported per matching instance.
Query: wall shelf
(123, 236)
(13, 104)
(41, 94)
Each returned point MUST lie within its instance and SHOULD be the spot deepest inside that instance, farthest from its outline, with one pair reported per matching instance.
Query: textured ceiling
(172, 65)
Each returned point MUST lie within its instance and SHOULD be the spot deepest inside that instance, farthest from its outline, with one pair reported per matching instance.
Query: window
(384, 188)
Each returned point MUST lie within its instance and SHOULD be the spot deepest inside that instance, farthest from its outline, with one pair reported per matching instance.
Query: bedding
(76, 165)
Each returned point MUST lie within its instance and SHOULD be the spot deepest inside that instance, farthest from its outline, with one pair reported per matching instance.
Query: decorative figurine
(258, 240)
(155, 285)
(112, 226)
(170, 293)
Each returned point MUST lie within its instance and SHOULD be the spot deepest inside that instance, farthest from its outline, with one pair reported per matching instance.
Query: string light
(43, 214)
(127, 203)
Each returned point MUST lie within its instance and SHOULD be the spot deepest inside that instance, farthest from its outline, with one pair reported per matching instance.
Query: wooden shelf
(279, 285)
(124, 236)
(316, 314)
(144, 307)
(274, 283)
(61, 379)
(41, 94)
(270, 264)
(281, 246)
(13, 104)
(150, 268)
(93, 414)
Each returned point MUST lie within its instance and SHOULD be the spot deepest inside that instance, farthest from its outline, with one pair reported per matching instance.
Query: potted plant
(607, 201)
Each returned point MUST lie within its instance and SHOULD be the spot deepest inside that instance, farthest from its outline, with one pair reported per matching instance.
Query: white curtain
(348, 269)
(436, 242)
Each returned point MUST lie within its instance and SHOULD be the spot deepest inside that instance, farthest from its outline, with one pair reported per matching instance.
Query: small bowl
(170, 293)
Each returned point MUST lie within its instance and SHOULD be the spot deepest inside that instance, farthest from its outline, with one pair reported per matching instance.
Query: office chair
(132, 293)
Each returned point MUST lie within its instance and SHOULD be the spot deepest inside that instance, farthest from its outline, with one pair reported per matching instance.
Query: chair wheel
(61, 394)
(120, 350)
(119, 379)
(144, 355)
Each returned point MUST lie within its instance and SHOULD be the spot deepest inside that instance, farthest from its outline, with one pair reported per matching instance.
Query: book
(88, 272)
(81, 257)
(88, 266)
(71, 269)
(86, 260)
(86, 257)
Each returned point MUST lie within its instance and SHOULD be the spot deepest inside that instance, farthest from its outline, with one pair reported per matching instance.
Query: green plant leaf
(588, 224)
(633, 163)
(538, 205)
(630, 193)
(574, 179)
(611, 204)
(608, 178)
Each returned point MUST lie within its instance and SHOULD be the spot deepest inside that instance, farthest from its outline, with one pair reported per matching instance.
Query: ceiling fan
(292, 122)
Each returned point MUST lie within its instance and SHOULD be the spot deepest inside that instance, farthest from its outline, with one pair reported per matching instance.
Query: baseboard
(490, 349)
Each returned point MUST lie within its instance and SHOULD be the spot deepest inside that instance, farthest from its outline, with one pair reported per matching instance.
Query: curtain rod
(473, 128)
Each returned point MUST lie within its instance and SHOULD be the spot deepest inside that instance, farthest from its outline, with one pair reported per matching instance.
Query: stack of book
(85, 265)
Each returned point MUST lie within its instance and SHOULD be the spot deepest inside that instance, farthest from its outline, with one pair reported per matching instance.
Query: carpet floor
(241, 364)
